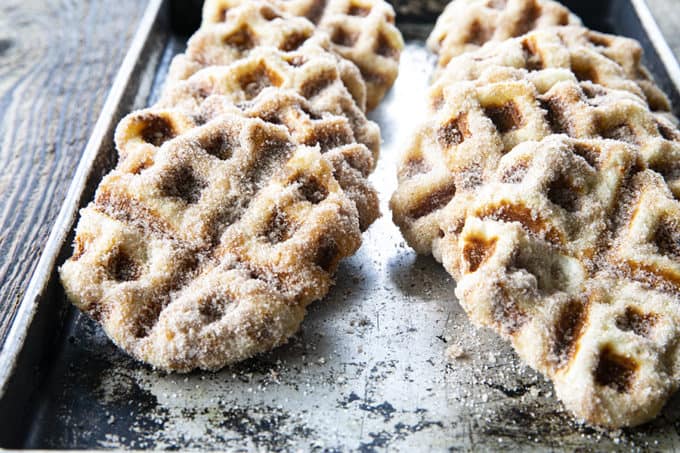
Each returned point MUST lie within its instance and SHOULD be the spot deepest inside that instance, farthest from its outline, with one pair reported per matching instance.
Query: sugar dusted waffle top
(466, 25)
(362, 31)
(234, 199)
(552, 201)
(311, 72)
(334, 134)
(212, 253)
(249, 26)
(608, 60)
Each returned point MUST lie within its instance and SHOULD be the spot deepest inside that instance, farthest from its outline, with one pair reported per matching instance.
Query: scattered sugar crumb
(455, 352)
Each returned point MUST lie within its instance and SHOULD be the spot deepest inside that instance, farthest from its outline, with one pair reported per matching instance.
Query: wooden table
(57, 62)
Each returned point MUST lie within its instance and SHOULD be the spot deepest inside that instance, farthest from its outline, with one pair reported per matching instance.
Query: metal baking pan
(369, 370)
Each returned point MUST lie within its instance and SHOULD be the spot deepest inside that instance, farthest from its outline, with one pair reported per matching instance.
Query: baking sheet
(387, 361)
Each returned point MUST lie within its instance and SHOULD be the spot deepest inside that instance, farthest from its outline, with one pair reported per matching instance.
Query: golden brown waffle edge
(537, 190)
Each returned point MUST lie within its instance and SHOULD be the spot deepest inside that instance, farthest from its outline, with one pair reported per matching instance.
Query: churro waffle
(248, 26)
(537, 230)
(607, 60)
(352, 146)
(474, 123)
(465, 25)
(211, 254)
(269, 84)
(315, 76)
(334, 134)
(310, 67)
(594, 317)
(362, 31)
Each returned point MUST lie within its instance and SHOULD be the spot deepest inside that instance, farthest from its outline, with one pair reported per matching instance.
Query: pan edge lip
(25, 313)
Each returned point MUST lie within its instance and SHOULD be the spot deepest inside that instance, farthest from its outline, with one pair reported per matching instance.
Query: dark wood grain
(57, 61)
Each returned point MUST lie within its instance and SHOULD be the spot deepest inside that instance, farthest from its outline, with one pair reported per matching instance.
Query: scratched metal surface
(371, 370)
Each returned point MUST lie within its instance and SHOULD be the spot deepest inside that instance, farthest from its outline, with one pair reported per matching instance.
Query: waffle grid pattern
(466, 25)
(362, 31)
(551, 197)
(234, 199)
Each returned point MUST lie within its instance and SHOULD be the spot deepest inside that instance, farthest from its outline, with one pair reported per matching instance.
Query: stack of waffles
(546, 179)
(238, 193)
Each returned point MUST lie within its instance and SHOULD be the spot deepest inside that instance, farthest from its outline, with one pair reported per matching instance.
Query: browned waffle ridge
(234, 198)
(334, 134)
(466, 25)
(362, 31)
(608, 60)
(312, 73)
(212, 253)
(552, 199)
